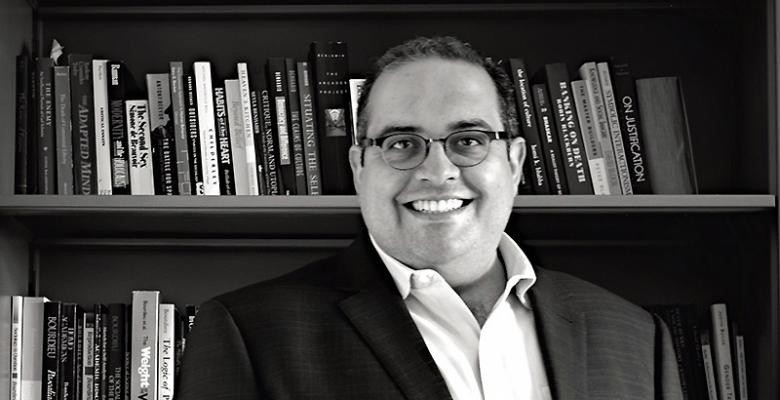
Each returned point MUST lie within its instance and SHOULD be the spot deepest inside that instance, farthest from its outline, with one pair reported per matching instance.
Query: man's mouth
(437, 206)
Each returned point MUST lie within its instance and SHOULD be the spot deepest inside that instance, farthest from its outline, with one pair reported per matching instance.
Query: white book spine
(355, 90)
(741, 367)
(144, 342)
(592, 144)
(17, 310)
(102, 133)
(590, 75)
(614, 127)
(722, 351)
(208, 134)
(32, 348)
(140, 146)
(249, 133)
(238, 145)
(166, 349)
(709, 368)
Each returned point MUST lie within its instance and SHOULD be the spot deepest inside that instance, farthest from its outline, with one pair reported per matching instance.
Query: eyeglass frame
(492, 135)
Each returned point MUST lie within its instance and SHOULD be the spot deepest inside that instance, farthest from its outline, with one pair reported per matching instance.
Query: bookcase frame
(720, 245)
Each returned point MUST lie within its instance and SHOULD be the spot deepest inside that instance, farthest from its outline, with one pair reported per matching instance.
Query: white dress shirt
(502, 360)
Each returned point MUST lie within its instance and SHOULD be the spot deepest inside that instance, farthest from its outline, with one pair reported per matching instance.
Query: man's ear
(517, 150)
(356, 163)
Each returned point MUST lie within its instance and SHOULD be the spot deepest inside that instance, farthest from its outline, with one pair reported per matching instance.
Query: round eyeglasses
(404, 151)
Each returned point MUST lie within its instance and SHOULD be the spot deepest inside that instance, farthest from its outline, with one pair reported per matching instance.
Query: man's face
(433, 98)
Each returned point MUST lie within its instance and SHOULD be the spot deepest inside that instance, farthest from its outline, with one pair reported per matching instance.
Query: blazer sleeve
(667, 374)
(216, 364)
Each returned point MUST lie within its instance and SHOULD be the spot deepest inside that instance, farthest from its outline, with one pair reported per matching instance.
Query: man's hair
(446, 48)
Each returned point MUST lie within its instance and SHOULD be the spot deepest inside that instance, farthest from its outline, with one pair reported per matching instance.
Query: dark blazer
(339, 329)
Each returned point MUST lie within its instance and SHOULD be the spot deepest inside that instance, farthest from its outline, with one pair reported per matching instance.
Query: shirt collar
(519, 271)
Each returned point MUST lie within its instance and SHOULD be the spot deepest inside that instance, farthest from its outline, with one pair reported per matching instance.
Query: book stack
(710, 351)
(61, 350)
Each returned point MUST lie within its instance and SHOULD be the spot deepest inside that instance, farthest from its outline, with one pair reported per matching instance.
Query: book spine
(572, 151)
(296, 133)
(97, 353)
(355, 91)
(208, 136)
(78, 367)
(277, 90)
(311, 150)
(179, 328)
(535, 167)
(722, 351)
(235, 124)
(270, 151)
(229, 183)
(84, 129)
(64, 144)
(709, 367)
(116, 351)
(23, 127)
(17, 311)
(592, 144)
(178, 103)
(250, 161)
(120, 178)
(262, 173)
(165, 370)
(32, 138)
(52, 317)
(741, 367)
(549, 139)
(143, 359)
(68, 351)
(161, 133)
(610, 105)
(88, 358)
(102, 139)
(631, 128)
(47, 164)
(190, 312)
(128, 352)
(32, 347)
(193, 136)
(141, 170)
(332, 99)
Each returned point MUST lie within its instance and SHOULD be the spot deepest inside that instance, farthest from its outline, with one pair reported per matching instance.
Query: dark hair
(447, 48)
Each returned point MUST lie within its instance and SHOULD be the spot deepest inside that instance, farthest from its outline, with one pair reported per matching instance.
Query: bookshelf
(721, 245)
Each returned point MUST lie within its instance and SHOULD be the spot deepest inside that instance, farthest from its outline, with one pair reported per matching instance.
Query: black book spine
(78, 370)
(179, 114)
(127, 344)
(270, 152)
(227, 180)
(257, 131)
(535, 167)
(332, 99)
(68, 348)
(64, 134)
(277, 84)
(116, 351)
(294, 104)
(571, 144)
(97, 353)
(631, 128)
(162, 135)
(120, 158)
(47, 164)
(23, 131)
(309, 127)
(178, 336)
(552, 152)
(52, 318)
(193, 133)
(82, 116)
(190, 311)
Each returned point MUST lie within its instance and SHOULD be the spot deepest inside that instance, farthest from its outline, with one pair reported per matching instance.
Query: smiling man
(435, 301)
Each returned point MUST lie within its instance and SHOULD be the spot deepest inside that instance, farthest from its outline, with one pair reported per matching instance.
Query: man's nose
(437, 168)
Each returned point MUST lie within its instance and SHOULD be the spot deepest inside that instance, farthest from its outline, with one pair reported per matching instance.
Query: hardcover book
(116, 347)
(546, 122)
(277, 83)
(193, 136)
(50, 373)
(141, 170)
(250, 158)
(270, 150)
(296, 133)
(262, 173)
(32, 347)
(311, 150)
(17, 312)
(82, 116)
(228, 184)
(162, 134)
(613, 119)
(47, 163)
(88, 358)
(166, 365)
(208, 134)
(592, 144)
(63, 131)
(100, 365)
(24, 129)
(236, 135)
(120, 159)
(102, 120)
(144, 334)
(67, 375)
(178, 104)
(667, 140)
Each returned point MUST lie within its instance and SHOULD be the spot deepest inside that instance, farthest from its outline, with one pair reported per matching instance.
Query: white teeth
(440, 206)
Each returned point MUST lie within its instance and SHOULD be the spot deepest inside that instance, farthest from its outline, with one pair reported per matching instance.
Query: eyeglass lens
(407, 151)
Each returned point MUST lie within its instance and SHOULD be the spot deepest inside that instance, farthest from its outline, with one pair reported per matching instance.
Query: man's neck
(480, 296)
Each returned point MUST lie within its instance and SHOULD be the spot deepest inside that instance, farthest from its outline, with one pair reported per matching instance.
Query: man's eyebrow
(469, 124)
(390, 129)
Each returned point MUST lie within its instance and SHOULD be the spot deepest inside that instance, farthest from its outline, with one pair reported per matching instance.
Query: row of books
(604, 133)
(710, 351)
(60, 351)
(87, 128)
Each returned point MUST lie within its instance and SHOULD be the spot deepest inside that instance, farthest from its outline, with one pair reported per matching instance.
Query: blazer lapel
(562, 335)
(380, 316)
